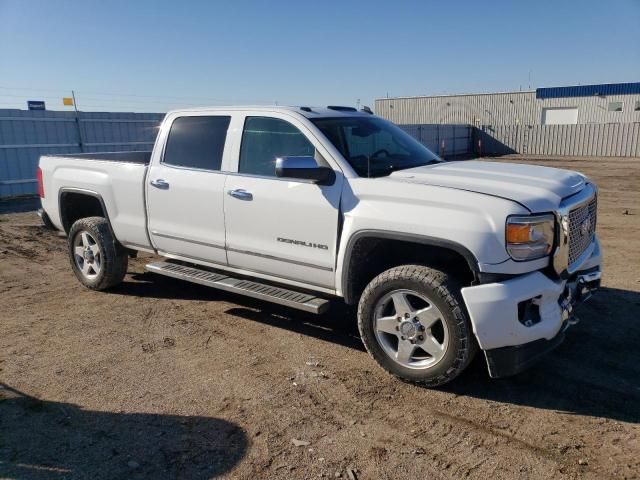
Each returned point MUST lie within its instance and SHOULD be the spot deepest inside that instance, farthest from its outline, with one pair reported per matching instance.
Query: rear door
(281, 227)
(186, 187)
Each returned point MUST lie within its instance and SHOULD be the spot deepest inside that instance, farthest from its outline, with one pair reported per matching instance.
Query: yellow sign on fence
(67, 101)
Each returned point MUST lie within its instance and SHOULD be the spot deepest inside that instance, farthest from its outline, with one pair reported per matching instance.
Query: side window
(264, 139)
(197, 142)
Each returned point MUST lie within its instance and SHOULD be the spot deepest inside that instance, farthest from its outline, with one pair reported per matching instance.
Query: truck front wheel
(97, 259)
(413, 323)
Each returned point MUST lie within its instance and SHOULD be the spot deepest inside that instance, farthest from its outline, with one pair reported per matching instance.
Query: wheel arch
(368, 239)
(75, 203)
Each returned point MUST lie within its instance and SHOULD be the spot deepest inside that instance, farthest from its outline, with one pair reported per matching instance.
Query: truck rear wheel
(413, 323)
(97, 259)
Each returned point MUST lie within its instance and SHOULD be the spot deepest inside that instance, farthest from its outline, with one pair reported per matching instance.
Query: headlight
(530, 237)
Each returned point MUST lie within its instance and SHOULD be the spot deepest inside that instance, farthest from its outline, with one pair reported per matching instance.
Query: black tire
(113, 256)
(444, 292)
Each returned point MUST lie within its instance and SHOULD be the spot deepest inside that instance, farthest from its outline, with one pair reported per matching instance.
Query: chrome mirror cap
(304, 168)
(296, 162)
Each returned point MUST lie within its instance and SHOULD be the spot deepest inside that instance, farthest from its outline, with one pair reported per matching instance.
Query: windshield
(373, 146)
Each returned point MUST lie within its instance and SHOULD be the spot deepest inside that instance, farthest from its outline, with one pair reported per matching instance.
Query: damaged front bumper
(517, 321)
(507, 361)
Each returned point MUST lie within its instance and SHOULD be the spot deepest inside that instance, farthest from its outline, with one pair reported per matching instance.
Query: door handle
(241, 194)
(160, 183)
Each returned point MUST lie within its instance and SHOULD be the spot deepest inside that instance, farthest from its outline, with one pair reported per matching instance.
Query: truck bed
(116, 178)
(142, 158)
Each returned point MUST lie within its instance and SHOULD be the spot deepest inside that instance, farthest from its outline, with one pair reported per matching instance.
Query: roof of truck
(309, 112)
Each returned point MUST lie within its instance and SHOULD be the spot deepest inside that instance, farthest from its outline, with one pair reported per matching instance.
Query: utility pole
(75, 107)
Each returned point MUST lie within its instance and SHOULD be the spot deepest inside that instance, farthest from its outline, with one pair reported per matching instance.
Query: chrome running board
(250, 288)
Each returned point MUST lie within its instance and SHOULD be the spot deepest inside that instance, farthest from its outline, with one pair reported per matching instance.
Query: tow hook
(578, 290)
(566, 306)
(587, 284)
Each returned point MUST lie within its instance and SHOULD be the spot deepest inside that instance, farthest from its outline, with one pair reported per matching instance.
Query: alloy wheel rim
(411, 329)
(87, 255)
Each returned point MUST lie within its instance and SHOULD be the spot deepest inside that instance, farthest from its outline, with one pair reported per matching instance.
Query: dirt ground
(163, 379)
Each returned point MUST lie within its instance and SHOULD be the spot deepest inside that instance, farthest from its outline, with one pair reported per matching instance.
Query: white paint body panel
(119, 184)
(471, 220)
(540, 189)
(283, 209)
(464, 203)
(493, 308)
(187, 218)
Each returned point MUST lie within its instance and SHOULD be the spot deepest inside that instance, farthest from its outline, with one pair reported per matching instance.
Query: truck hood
(539, 189)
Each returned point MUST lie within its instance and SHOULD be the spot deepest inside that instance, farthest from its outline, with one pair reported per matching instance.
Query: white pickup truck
(301, 206)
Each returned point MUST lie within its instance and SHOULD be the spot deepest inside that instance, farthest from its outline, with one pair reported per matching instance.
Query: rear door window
(197, 142)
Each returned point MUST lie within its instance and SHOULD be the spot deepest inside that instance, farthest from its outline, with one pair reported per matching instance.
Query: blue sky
(142, 55)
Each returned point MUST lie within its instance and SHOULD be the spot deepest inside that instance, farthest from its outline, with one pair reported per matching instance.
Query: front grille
(582, 226)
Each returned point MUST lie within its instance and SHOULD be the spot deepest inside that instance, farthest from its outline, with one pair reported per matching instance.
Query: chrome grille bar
(575, 214)
(582, 227)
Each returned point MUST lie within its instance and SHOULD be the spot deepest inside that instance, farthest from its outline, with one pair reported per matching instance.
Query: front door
(281, 227)
(186, 188)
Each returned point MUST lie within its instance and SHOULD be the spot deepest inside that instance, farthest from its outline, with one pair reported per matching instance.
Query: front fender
(469, 223)
(344, 289)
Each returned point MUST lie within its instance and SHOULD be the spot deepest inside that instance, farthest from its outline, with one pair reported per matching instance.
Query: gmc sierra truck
(303, 206)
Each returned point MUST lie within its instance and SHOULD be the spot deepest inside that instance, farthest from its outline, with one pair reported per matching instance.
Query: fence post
(75, 107)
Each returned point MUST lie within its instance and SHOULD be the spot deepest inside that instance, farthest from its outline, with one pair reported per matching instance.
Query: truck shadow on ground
(52, 440)
(594, 372)
(332, 327)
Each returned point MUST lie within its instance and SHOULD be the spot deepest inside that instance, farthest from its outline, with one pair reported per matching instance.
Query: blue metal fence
(449, 141)
(25, 135)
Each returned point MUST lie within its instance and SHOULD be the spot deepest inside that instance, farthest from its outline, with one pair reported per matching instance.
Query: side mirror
(304, 168)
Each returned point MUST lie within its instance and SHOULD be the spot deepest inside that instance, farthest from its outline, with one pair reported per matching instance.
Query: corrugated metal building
(584, 104)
